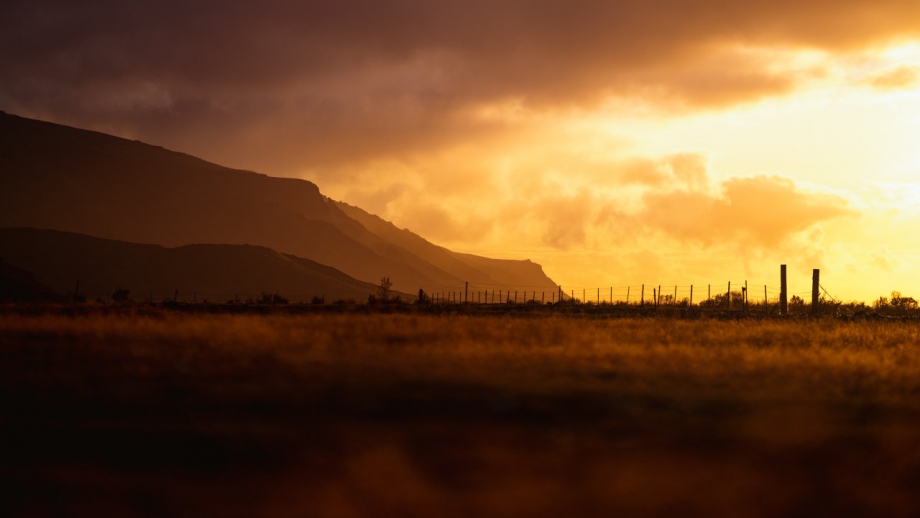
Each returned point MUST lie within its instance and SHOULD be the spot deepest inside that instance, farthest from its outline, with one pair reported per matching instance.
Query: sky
(617, 143)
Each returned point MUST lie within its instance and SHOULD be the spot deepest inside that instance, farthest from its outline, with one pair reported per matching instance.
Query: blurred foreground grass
(406, 415)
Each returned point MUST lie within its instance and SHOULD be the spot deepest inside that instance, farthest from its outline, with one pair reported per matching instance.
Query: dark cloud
(282, 84)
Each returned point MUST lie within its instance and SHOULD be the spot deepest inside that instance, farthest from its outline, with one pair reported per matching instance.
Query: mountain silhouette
(74, 180)
(18, 285)
(217, 273)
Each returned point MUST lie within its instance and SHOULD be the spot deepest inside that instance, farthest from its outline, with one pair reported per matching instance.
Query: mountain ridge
(60, 260)
(87, 182)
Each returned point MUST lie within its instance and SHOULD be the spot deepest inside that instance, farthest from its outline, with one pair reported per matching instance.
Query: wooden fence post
(655, 296)
(642, 300)
(815, 286)
(729, 295)
(691, 297)
(783, 300)
(675, 296)
(627, 295)
(765, 308)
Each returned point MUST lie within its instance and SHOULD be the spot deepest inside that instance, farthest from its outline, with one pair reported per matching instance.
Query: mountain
(479, 271)
(18, 285)
(81, 181)
(59, 260)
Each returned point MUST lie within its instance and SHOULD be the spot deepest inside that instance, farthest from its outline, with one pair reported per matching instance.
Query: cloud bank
(282, 85)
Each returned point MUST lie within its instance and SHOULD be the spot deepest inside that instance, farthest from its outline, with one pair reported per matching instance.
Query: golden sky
(615, 142)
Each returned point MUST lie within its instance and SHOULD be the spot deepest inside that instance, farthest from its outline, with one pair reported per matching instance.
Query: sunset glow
(615, 143)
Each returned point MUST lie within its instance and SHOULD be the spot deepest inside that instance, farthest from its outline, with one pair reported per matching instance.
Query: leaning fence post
(745, 298)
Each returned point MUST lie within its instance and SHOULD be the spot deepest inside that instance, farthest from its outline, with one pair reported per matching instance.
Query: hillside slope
(478, 270)
(81, 181)
(152, 272)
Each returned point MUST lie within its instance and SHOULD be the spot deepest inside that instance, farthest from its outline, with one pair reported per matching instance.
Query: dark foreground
(169, 414)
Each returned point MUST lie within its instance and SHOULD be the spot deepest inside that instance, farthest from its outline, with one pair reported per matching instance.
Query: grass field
(414, 415)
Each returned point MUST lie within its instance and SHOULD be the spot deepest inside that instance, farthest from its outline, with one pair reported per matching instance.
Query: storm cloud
(284, 85)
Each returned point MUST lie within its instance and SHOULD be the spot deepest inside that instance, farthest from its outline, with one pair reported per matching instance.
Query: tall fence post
(627, 295)
(815, 286)
(783, 300)
(691, 297)
(655, 297)
(466, 292)
(674, 302)
(642, 300)
(729, 297)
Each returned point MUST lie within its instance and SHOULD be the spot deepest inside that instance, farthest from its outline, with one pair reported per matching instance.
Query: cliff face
(74, 180)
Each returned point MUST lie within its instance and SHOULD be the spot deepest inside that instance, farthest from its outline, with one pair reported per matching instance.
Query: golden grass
(413, 415)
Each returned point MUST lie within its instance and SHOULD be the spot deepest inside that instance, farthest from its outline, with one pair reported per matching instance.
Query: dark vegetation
(139, 411)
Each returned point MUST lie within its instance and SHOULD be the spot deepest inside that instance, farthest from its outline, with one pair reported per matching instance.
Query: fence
(730, 295)
(632, 294)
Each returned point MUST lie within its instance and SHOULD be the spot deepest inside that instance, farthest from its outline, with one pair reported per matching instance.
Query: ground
(162, 412)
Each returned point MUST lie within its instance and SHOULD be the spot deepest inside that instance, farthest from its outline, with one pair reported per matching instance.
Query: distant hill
(18, 285)
(74, 180)
(482, 271)
(217, 273)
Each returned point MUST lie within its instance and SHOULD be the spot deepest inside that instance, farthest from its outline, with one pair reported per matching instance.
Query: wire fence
(728, 294)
